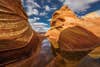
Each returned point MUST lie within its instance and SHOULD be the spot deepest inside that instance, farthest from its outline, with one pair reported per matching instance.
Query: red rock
(17, 39)
(73, 33)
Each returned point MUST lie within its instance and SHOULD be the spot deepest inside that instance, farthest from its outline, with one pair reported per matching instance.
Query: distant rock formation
(17, 39)
(71, 33)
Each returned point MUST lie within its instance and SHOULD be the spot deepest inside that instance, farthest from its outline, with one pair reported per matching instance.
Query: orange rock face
(17, 39)
(93, 21)
(73, 33)
(62, 15)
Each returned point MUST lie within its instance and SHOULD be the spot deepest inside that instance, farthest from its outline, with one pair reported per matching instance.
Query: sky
(40, 11)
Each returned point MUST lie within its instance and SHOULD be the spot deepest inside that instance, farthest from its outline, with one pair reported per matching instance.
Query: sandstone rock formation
(93, 18)
(63, 14)
(72, 33)
(17, 39)
(92, 21)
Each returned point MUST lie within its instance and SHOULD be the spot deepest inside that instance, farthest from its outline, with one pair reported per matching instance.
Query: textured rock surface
(17, 39)
(93, 22)
(73, 33)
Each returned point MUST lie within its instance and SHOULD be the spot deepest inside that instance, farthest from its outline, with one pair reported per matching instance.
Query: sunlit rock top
(71, 32)
(65, 15)
(92, 15)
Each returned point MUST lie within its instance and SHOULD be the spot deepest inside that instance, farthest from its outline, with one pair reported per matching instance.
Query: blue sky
(40, 11)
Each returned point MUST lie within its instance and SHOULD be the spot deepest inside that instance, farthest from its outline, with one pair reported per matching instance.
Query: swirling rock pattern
(17, 39)
(73, 33)
(72, 38)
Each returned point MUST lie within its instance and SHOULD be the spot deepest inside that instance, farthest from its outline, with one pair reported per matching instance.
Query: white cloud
(40, 27)
(39, 24)
(53, 8)
(47, 8)
(43, 13)
(32, 11)
(79, 5)
(30, 20)
(33, 20)
(29, 12)
(37, 5)
(61, 0)
(49, 20)
(32, 3)
(35, 12)
(31, 8)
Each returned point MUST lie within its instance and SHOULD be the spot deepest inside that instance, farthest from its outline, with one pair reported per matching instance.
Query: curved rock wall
(17, 39)
(71, 32)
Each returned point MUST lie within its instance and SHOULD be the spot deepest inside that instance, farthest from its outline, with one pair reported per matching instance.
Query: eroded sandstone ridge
(71, 37)
(17, 39)
(71, 33)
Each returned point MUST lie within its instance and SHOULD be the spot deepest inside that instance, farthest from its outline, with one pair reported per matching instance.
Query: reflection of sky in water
(40, 11)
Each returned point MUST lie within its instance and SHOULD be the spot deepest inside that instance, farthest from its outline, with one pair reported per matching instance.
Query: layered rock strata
(17, 39)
